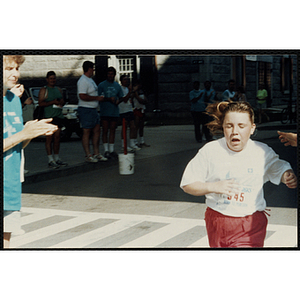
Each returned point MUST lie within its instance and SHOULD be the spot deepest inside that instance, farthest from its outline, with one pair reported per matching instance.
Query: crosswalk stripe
(282, 237)
(51, 230)
(201, 243)
(172, 227)
(35, 217)
(97, 234)
(159, 236)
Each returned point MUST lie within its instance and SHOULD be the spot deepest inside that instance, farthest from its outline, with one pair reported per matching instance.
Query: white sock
(142, 141)
(50, 158)
(105, 147)
(111, 147)
(132, 143)
(56, 157)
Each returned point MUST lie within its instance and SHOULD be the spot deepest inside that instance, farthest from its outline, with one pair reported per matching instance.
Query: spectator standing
(240, 94)
(229, 93)
(109, 111)
(199, 99)
(126, 112)
(261, 97)
(16, 136)
(88, 103)
(139, 102)
(51, 98)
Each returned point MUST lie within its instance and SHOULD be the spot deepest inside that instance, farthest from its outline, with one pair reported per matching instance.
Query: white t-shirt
(86, 85)
(251, 168)
(138, 105)
(125, 107)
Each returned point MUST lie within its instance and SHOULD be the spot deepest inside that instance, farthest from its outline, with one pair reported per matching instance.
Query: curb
(66, 171)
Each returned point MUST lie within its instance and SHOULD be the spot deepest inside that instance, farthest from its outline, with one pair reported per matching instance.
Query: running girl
(231, 172)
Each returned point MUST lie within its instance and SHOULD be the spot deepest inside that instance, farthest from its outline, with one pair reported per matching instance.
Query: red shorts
(230, 232)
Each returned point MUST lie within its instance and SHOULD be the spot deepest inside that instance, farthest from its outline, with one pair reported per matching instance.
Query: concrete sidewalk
(162, 140)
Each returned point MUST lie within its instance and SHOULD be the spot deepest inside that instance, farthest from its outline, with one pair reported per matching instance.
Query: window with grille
(264, 74)
(127, 67)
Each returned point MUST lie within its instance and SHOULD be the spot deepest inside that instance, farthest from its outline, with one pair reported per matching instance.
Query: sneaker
(135, 148)
(113, 155)
(144, 145)
(107, 155)
(53, 165)
(100, 157)
(91, 159)
(61, 163)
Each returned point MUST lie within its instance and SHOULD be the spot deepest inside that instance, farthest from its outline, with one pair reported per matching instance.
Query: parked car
(70, 113)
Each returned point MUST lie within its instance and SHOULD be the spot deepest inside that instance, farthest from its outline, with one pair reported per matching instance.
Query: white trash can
(126, 163)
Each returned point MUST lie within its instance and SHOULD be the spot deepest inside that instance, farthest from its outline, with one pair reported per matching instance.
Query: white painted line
(52, 211)
(201, 243)
(35, 217)
(284, 236)
(159, 236)
(51, 230)
(275, 227)
(97, 234)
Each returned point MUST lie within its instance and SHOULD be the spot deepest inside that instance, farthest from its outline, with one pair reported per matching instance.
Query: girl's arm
(227, 187)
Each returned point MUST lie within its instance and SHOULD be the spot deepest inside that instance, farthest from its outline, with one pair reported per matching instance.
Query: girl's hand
(227, 187)
(289, 179)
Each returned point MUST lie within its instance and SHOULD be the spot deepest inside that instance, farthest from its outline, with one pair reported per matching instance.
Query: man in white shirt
(88, 101)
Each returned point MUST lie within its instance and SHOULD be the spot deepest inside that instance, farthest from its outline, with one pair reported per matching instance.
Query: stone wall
(176, 75)
(68, 69)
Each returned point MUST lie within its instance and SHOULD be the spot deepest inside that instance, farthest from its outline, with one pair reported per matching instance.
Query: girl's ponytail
(218, 111)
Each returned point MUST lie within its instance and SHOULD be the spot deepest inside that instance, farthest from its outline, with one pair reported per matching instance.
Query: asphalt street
(158, 170)
(150, 208)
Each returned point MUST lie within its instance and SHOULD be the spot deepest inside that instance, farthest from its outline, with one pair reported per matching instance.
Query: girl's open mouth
(235, 140)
